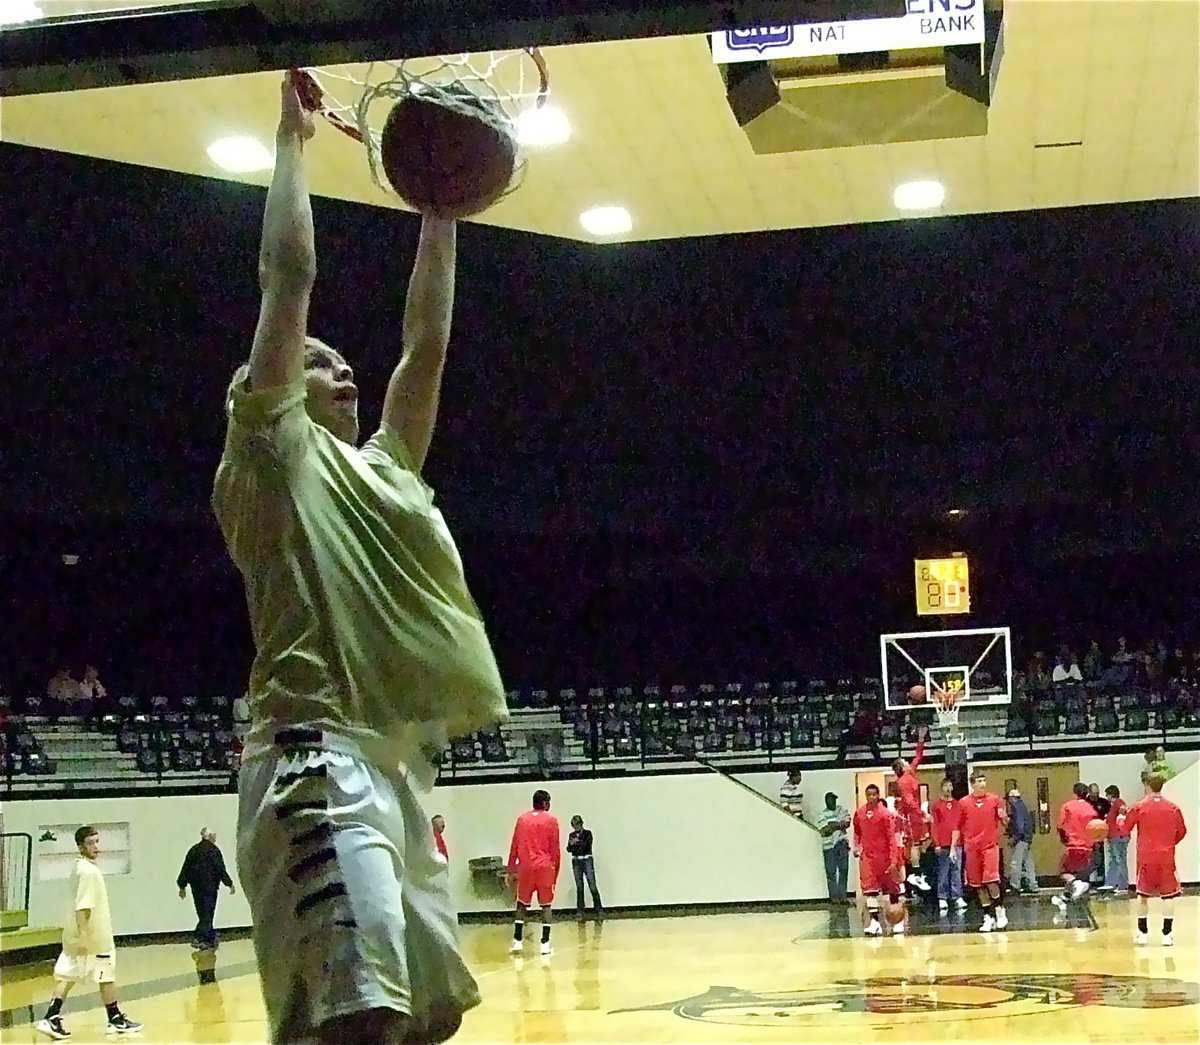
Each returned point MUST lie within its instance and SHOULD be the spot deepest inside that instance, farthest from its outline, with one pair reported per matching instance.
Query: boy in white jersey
(89, 953)
(370, 652)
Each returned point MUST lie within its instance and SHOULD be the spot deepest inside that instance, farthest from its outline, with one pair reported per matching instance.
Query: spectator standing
(791, 794)
(832, 822)
(1022, 876)
(1117, 875)
(438, 823)
(204, 871)
(583, 863)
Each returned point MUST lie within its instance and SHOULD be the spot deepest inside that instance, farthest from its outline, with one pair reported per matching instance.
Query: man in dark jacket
(1095, 873)
(1022, 876)
(204, 870)
(579, 845)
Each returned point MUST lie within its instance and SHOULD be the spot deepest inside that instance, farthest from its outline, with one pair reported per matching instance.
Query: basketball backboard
(973, 663)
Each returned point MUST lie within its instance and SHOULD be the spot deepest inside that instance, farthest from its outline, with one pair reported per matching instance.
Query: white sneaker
(545, 949)
(1140, 939)
(1059, 902)
(54, 1027)
(898, 929)
(1001, 919)
(1167, 941)
(918, 881)
(961, 904)
(515, 947)
(873, 929)
(988, 924)
(942, 906)
(1078, 888)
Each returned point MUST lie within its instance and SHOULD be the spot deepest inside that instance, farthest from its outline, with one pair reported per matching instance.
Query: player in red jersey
(946, 817)
(913, 820)
(1077, 847)
(876, 845)
(983, 817)
(1160, 828)
(533, 860)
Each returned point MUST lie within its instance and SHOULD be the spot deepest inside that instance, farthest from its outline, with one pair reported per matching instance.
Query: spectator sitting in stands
(1122, 654)
(863, 731)
(241, 716)
(63, 694)
(1063, 673)
(1093, 662)
(1035, 674)
(94, 697)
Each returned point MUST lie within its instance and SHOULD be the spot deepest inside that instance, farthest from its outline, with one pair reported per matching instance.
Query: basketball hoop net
(516, 83)
(945, 703)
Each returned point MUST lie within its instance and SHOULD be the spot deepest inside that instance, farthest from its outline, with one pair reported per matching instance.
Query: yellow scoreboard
(943, 586)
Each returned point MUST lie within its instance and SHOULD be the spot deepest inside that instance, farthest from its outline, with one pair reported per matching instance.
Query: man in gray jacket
(1020, 830)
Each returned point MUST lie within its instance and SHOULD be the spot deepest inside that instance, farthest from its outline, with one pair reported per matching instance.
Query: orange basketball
(1097, 830)
(444, 160)
(894, 913)
(917, 695)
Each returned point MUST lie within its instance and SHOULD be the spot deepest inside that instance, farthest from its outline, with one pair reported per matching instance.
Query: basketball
(1097, 830)
(444, 161)
(894, 913)
(917, 695)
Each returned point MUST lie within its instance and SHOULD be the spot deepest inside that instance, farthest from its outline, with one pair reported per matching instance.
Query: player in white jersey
(370, 651)
(89, 953)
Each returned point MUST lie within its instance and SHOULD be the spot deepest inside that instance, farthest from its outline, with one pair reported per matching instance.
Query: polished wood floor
(781, 977)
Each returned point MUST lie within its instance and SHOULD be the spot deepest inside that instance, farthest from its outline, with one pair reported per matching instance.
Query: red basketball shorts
(916, 828)
(1075, 861)
(1158, 879)
(981, 865)
(873, 877)
(539, 880)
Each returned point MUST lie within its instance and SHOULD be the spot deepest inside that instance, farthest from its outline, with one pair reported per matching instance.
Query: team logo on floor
(928, 997)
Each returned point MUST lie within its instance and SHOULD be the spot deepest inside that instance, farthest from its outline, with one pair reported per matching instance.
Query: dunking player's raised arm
(287, 262)
(410, 407)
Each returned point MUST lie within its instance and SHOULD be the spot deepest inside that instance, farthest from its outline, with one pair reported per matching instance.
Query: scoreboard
(943, 586)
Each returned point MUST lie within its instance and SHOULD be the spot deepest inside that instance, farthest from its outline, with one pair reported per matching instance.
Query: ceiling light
(919, 195)
(954, 513)
(547, 125)
(606, 221)
(17, 12)
(240, 155)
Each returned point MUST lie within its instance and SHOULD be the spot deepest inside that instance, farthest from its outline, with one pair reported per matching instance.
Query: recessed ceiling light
(919, 195)
(543, 126)
(955, 512)
(17, 12)
(606, 221)
(240, 155)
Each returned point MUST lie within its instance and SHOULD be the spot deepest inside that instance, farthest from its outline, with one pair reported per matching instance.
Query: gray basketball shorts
(351, 907)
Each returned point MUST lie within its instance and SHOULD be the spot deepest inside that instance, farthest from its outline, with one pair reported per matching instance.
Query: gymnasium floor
(806, 975)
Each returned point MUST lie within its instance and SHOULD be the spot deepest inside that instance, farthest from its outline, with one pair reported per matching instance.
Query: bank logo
(762, 39)
(922, 999)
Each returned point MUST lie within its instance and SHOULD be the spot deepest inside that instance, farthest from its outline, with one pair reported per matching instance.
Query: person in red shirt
(880, 857)
(1160, 828)
(533, 861)
(438, 823)
(983, 817)
(914, 823)
(946, 816)
(1116, 877)
(1077, 852)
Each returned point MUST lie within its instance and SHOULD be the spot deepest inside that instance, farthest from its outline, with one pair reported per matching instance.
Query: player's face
(332, 396)
(947, 789)
(872, 795)
(90, 846)
(979, 785)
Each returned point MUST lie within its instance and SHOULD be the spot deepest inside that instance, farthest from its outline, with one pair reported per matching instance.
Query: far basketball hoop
(955, 669)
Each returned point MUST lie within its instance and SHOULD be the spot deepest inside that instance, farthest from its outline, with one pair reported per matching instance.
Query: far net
(512, 86)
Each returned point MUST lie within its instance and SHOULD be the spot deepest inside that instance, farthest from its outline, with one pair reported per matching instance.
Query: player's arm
(1180, 827)
(918, 756)
(512, 849)
(411, 404)
(287, 261)
(556, 845)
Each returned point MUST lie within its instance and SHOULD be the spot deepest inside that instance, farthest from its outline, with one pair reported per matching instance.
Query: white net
(505, 89)
(946, 704)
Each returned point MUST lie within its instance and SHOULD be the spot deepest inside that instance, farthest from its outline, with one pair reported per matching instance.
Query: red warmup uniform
(535, 856)
(982, 817)
(947, 818)
(1116, 808)
(440, 842)
(908, 801)
(1160, 828)
(875, 836)
(1072, 829)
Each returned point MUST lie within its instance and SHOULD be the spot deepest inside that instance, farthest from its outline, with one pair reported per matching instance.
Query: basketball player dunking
(1160, 828)
(370, 652)
(914, 821)
(983, 817)
(879, 858)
